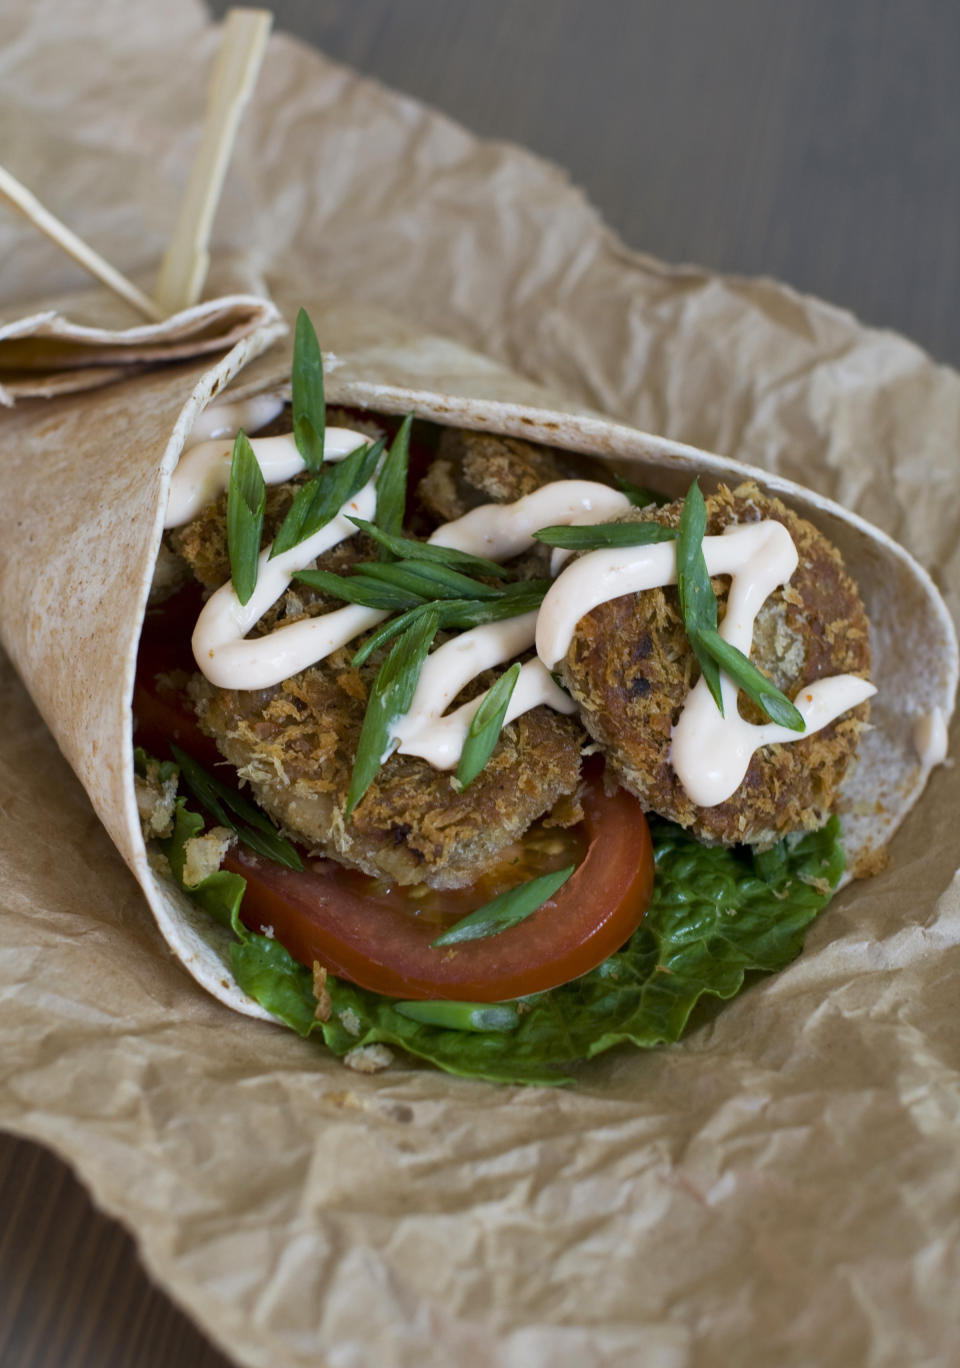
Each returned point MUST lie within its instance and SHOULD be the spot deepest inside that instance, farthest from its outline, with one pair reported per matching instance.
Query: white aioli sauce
(499, 531)
(226, 418)
(710, 752)
(424, 731)
(204, 470)
(219, 641)
(930, 738)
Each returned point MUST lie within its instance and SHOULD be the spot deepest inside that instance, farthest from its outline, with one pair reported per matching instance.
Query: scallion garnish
(391, 629)
(511, 601)
(485, 728)
(231, 810)
(320, 500)
(406, 548)
(291, 530)
(638, 496)
(507, 910)
(246, 504)
(390, 698)
(514, 599)
(360, 589)
(309, 406)
(598, 535)
(392, 485)
(430, 581)
(462, 1016)
(752, 681)
(698, 602)
(399, 585)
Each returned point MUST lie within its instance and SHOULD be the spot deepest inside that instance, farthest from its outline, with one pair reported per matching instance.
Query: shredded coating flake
(630, 668)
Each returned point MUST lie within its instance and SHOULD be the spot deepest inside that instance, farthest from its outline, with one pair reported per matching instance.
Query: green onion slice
(369, 593)
(406, 548)
(638, 496)
(462, 1016)
(309, 405)
(522, 597)
(698, 602)
(231, 810)
(391, 629)
(320, 500)
(485, 728)
(390, 698)
(509, 909)
(430, 581)
(597, 535)
(752, 681)
(392, 485)
(246, 504)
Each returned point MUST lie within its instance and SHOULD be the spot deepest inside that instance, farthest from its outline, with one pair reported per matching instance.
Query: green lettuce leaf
(219, 894)
(716, 915)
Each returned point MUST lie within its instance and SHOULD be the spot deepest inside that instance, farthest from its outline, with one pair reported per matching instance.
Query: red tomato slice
(162, 712)
(376, 942)
(372, 935)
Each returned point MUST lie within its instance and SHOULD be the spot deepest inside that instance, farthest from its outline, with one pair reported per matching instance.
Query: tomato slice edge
(379, 943)
(389, 951)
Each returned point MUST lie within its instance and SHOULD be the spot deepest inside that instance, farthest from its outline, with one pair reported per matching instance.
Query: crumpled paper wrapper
(784, 1185)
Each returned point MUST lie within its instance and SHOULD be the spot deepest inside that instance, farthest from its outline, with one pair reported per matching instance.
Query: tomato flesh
(162, 711)
(376, 942)
(381, 938)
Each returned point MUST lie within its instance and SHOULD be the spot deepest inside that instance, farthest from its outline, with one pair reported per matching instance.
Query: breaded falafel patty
(474, 468)
(630, 668)
(295, 743)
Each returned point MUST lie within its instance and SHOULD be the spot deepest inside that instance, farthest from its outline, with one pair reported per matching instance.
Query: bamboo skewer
(27, 203)
(187, 259)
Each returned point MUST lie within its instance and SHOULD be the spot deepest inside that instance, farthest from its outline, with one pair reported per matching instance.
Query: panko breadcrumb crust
(202, 543)
(295, 746)
(630, 667)
(474, 468)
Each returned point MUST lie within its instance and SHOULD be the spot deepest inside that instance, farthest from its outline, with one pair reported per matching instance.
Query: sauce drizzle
(710, 752)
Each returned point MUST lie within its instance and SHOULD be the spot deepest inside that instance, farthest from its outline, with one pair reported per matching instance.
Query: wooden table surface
(812, 140)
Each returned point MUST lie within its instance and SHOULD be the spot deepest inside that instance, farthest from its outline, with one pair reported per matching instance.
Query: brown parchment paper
(784, 1187)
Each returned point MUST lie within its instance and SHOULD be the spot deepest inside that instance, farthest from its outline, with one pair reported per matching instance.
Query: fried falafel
(474, 468)
(295, 744)
(630, 668)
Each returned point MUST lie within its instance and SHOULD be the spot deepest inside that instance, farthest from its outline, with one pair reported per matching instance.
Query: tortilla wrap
(91, 338)
(87, 479)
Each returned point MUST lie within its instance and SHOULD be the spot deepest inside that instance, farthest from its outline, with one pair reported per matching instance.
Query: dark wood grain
(812, 141)
(816, 142)
(72, 1289)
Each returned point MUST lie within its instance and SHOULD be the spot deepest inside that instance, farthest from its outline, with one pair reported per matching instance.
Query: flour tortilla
(86, 482)
(90, 338)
